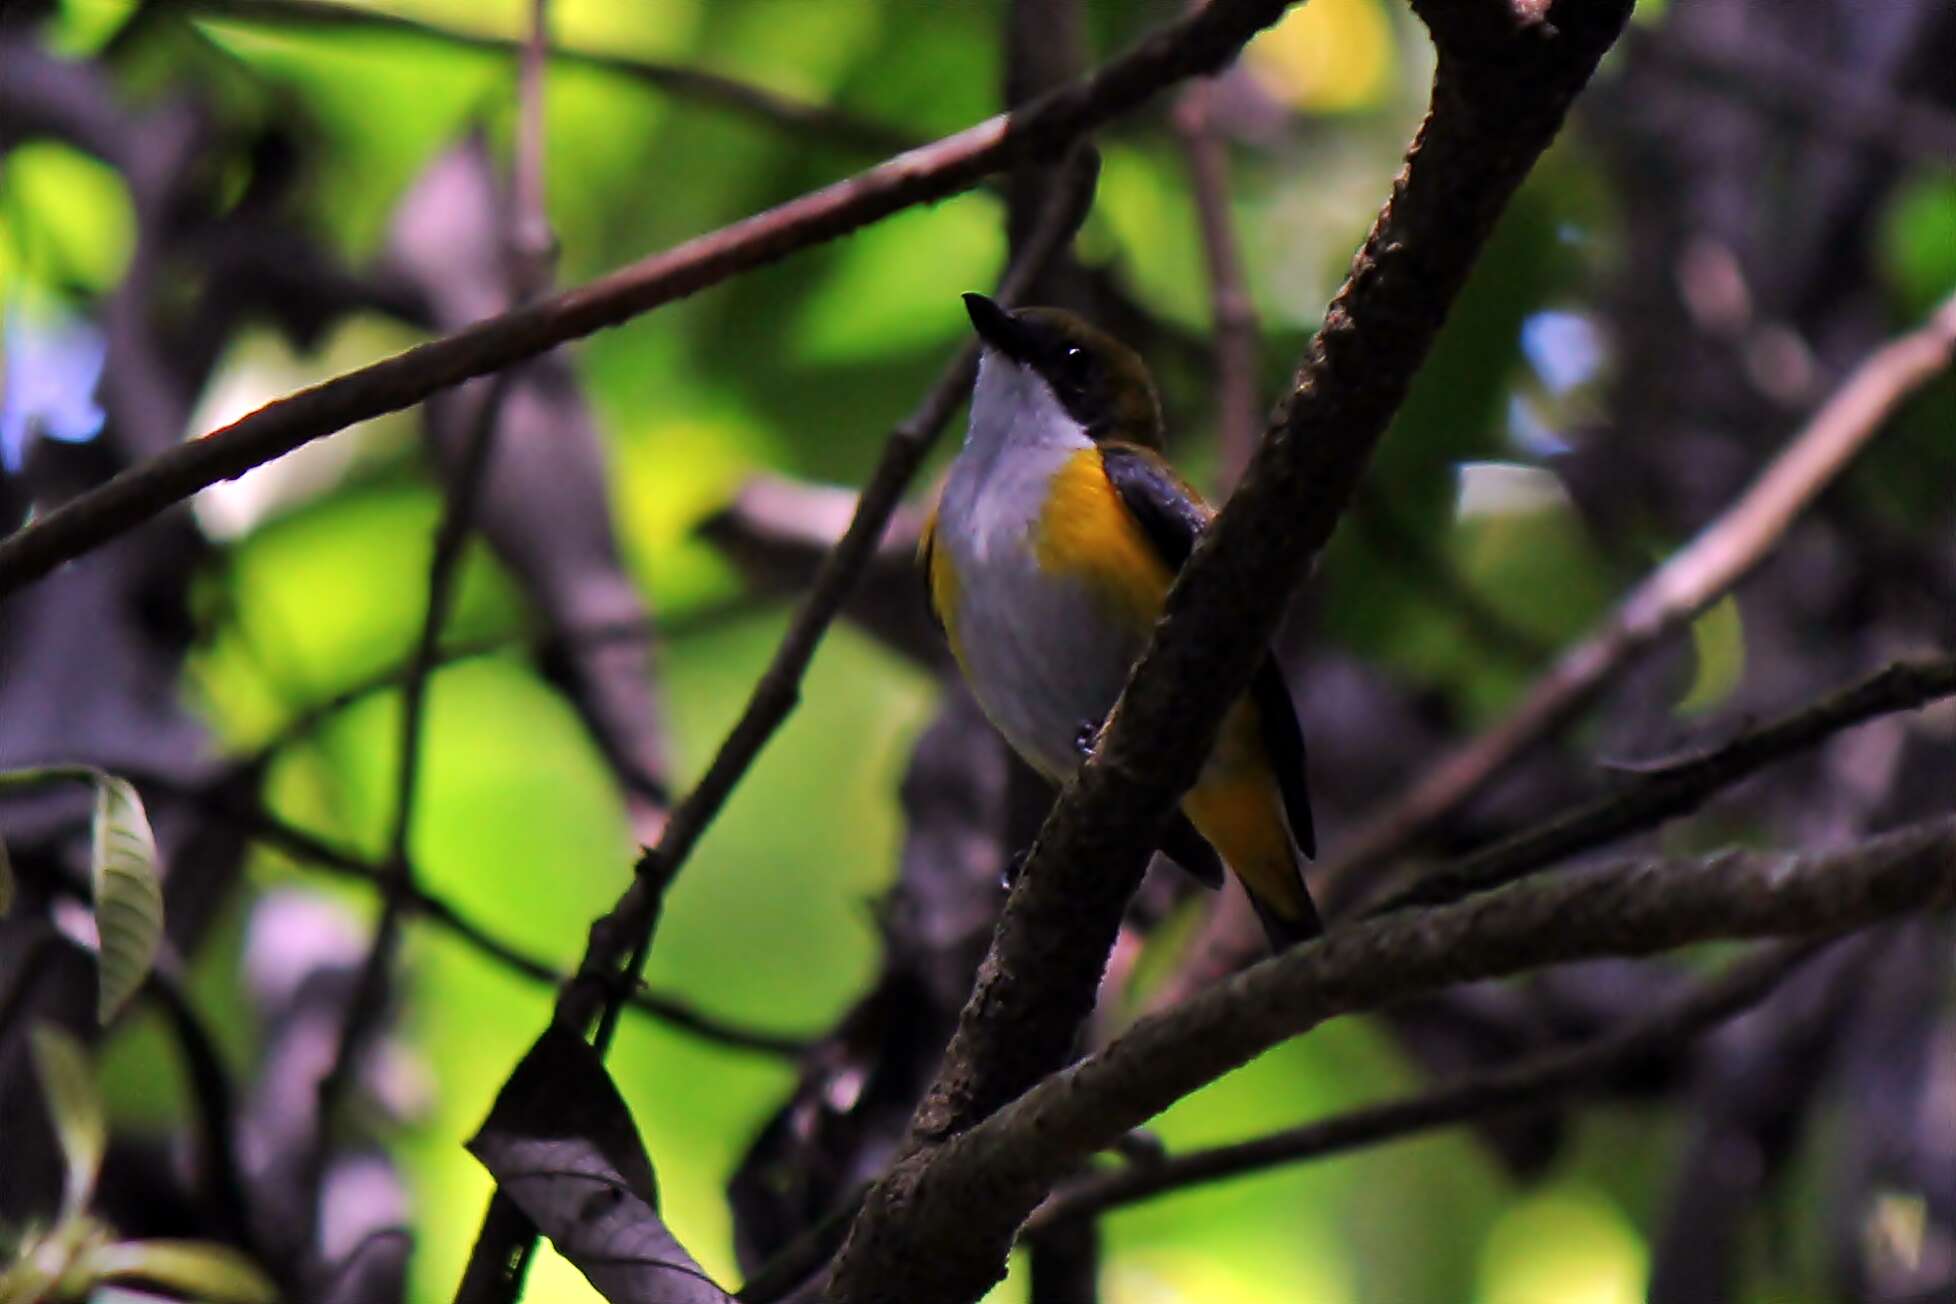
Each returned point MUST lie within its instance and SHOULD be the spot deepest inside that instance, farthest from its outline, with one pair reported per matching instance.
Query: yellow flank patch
(942, 577)
(1086, 530)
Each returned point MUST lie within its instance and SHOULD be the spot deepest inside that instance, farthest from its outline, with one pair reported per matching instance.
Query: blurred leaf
(74, 1106)
(1566, 1245)
(1457, 413)
(128, 895)
(122, 878)
(1496, 489)
(1718, 640)
(332, 592)
(6, 880)
(792, 46)
(1329, 56)
(1520, 550)
(203, 1271)
(385, 101)
(664, 30)
(1918, 245)
(83, 27)
(66, 215)
(665, 480)
(1143, 204)
(896, 284)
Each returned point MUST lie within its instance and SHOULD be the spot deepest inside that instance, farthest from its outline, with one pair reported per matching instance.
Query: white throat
(1014, 410)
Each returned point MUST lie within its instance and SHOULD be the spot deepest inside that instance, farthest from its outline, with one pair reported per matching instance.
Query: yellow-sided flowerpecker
(1048, 560)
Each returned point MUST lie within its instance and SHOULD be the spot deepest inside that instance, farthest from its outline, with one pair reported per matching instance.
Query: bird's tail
(1244, 819)
(1286, 931)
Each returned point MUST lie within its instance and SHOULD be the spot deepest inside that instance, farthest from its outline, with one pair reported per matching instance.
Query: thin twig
(1546, 1077)
(805, 1255)
(815, 121)
(1696, 576)
(1826, 99)
(444, 915)
(1183, 49)
(366, 1007)
(308, 848)
(211, 1092)
(531, 238)
(1682, 786)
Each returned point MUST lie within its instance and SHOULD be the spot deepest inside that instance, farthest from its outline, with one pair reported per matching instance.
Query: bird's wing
(1189, 849)
(1172, 515)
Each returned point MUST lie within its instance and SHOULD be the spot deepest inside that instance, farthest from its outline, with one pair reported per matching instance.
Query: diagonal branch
(965, 1199)
(1039, 981)
(816, 121)
(1682, 786)
(1546, 1077)
(1694, 577)
(1504, 82)
(1192, 46)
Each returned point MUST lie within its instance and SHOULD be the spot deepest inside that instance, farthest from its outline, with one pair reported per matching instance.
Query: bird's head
(1045, 366)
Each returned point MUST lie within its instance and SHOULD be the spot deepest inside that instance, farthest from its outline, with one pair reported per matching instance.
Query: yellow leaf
(1329, 56)
(1718, 640)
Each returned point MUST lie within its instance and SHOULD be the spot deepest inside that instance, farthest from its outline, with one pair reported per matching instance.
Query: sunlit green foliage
(800, 368)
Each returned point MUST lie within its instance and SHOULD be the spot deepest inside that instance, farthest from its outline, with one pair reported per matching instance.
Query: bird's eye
(1075, 359)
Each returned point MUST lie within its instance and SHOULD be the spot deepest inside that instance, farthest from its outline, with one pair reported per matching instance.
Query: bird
(1046, 561)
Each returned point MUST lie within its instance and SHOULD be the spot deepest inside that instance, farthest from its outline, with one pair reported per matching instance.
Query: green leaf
(128, 897)
(195, 1268)
(27, 1280)
(1718, 642)
(70, 212)
(74, 1106)
(36, 775)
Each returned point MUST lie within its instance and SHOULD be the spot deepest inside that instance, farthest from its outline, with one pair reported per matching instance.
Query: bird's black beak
(999, 328)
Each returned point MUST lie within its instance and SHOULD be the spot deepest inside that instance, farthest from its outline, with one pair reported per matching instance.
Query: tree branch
(1694, 577)
(1500, 94)
(1195, 45)
(1682, 1018)
(815, 121)
(1683, 786)
(962, 1202)
(444, 914)
(1823, 98)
